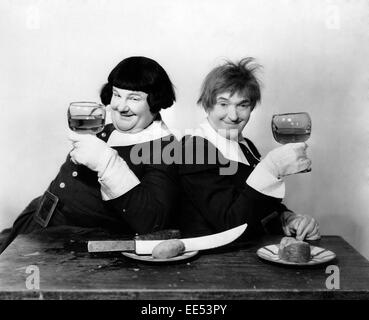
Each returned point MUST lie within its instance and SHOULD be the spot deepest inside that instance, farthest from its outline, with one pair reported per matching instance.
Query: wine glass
(86, 117)
(291, 128)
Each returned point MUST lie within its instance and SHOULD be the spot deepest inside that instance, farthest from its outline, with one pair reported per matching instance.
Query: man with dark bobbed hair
(141, 74)
(113, 181)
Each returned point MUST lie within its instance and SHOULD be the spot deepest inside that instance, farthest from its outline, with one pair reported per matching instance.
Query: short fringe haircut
(141, 74)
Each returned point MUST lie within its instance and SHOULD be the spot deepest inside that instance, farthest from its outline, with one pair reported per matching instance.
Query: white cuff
(265, 182)
(104, 159)
(117, 179)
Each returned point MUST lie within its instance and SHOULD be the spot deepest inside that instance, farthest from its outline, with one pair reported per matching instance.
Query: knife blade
(145, 247)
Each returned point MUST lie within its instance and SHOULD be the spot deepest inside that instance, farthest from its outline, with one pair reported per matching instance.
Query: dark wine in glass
(291, 128)
(86, 117)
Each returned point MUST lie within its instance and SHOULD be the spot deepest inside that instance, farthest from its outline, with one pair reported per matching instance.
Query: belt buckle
(46, 209)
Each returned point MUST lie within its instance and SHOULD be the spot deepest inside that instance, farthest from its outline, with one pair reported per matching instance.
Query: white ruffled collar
(229, 148)
(154, 131)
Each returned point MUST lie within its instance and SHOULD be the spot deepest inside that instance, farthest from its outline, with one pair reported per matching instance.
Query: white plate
(318, 255)
(149, 258)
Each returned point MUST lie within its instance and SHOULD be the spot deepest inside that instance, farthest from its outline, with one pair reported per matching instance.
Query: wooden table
(231, 272)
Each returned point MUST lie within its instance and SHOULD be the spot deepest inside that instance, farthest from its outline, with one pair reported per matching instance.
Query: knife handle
(160, 235)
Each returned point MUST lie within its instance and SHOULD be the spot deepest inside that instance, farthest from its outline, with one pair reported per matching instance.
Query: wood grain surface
(67, 271)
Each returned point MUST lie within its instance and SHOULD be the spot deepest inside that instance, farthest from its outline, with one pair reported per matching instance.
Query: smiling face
(130, 110)
(230, 114)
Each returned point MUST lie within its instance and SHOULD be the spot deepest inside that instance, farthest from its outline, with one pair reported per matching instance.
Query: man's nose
(232, 113)
(122, 106)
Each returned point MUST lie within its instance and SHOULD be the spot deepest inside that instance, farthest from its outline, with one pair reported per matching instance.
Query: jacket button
(124, 210)
(74, 173)
(103, 134)
(62, 185)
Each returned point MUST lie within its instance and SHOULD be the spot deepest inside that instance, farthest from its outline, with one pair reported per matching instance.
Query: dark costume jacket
(147, 207)
(215, 195)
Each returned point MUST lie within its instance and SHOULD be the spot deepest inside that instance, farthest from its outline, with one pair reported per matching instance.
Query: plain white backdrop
(314, 56)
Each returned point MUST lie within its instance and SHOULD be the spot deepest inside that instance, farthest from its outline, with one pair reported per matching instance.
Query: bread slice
(293, 250)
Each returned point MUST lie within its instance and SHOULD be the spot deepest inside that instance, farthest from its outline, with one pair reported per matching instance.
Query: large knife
(146, 246)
